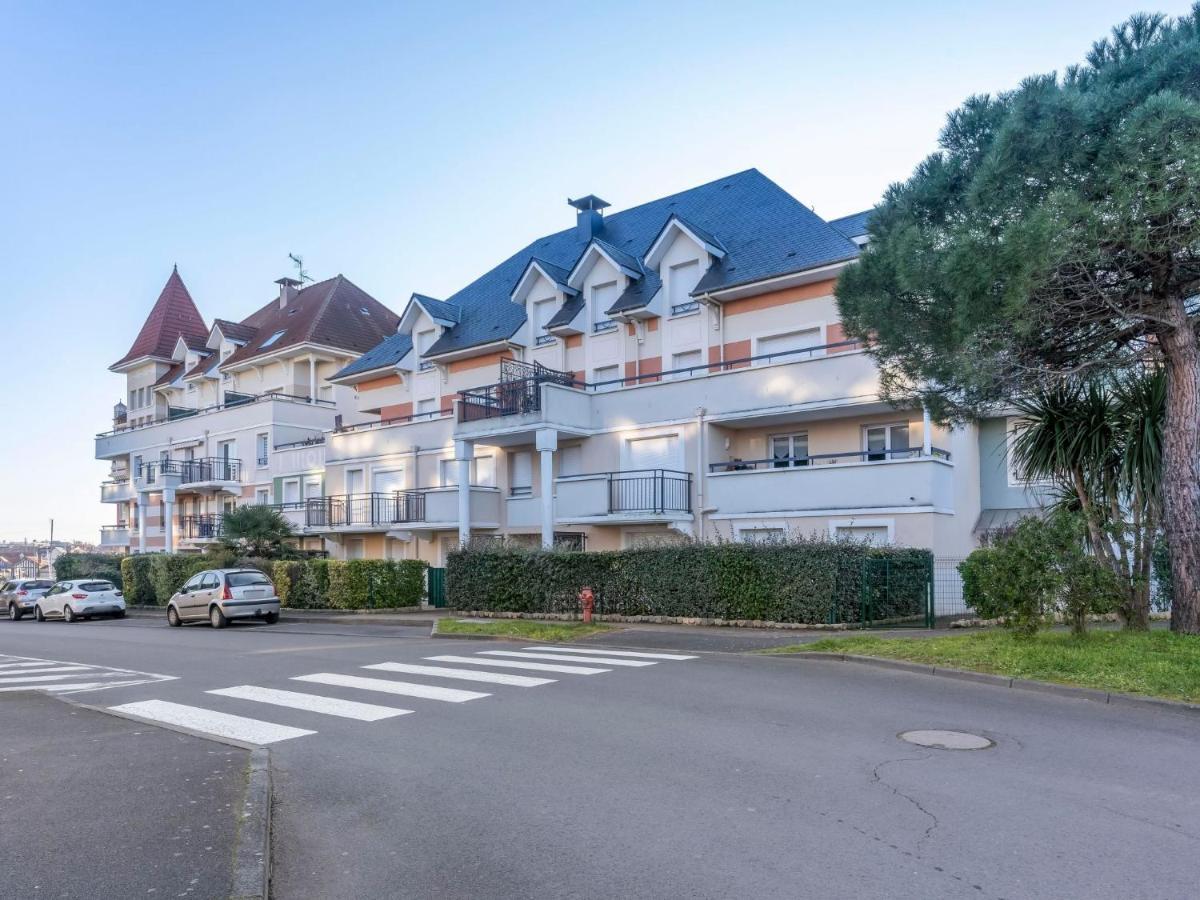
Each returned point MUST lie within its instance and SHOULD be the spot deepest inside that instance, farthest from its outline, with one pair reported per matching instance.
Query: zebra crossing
(26, 673)
(252, 730)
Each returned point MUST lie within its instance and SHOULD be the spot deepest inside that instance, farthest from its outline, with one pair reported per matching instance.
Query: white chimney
(288, 288)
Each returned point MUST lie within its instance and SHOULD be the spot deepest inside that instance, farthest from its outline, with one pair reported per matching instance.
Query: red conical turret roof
(174, 314)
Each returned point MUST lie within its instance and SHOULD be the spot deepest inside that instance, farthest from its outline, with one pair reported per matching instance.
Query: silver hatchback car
(20, 595)
(220, 595)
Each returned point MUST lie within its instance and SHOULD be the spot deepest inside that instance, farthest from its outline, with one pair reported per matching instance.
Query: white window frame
(681, 448)
(262, 496)
(697, 367)
(887, 440)
(597, 377)
(790, 436)
(890, 524)
(285, 483)
(362, 473)
(599, 316)
(822, 329)
(262, 445)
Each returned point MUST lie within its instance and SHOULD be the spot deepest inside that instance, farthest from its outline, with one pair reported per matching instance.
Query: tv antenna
(301, 275)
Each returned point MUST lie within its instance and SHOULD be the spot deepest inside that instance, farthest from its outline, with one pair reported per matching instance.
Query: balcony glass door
(789, 450)
(885, 441)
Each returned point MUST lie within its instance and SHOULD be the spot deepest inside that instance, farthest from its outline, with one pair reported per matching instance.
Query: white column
(168, 505)
(927, 432)
(141, 504)
(312, 379)
(464, 452)
(547, 443)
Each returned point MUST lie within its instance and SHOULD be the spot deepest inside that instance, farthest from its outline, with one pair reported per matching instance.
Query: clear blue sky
(411, 147)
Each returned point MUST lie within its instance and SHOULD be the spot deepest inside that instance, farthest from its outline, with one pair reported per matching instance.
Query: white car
(80, 599)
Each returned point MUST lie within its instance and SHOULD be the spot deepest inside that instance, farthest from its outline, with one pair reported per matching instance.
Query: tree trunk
(1181, 468)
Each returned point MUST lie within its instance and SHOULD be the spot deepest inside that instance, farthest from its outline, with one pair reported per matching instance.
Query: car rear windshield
(94, 586)
(241, 579)
(37, 585)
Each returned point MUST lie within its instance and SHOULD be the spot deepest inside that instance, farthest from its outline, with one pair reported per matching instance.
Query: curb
(303, 618)
(252, 851)
(1020, 684)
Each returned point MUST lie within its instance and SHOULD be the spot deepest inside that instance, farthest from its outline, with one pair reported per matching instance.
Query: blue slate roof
(568, 311)
(854, 225)
(387, 353)
(764, 230)
(638, 294)
(439, 309)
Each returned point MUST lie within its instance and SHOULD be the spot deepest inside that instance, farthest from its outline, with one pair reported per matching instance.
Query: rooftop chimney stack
(588, 219)
(288, 288)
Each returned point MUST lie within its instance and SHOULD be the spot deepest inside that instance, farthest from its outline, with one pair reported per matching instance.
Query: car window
(210, 581)
(93, 587)
(241, 579)
(37, 585)
(194, 582)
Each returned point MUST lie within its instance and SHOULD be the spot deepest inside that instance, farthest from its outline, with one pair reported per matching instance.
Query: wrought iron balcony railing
(827, 459)
(347, 510)
(204, 527)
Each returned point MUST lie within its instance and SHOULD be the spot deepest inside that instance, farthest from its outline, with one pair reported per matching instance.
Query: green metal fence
(437, 587)
(896, 594)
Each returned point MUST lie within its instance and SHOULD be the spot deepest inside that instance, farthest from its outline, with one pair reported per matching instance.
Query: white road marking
(531, 666)
(24, 672)
(404, 688)
(253, 731)
(560, 657)
(330, 706)
(13, 670)
(614, 652)
(22, 665)
(36, 678)
(73, 686)
(462, 674)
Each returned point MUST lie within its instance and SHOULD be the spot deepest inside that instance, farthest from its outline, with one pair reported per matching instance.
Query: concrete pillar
(141, 504)
(547, 443)
(312, 379)
(168, 505)
(927, 432)
(464, 452)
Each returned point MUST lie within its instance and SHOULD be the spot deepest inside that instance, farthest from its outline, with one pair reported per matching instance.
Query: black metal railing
(678, 309)
(519, 391)
(826, 459)
(606, 325)
(203, 527)
(210, 468)
(346, 510)
(649, 491)
(543, 339)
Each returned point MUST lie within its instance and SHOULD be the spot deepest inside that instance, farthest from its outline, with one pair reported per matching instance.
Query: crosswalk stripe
(507, 664)
(404, 688)
(462, 674)
(24, 672)
(614, 652)
(35, 678)
(78, 686)
(330, 706)
(240, 728)
(561, 657)
(22, 665)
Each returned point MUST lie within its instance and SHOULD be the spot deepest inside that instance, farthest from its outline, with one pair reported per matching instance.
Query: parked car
(20, 595)
(80, 599)
(220, 595)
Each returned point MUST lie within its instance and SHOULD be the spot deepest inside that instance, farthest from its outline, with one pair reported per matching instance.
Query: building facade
(675, 370)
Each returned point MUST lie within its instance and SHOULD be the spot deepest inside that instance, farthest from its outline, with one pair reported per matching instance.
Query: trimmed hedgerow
(375, 583)
(168, 572)
(302, 584)
(70, 566)
(135, 580)
(802, 581)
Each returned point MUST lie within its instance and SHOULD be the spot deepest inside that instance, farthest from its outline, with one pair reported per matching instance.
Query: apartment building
(229, 413)
(677, 369)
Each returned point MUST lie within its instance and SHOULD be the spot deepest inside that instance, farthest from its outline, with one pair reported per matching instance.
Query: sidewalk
(101, 808)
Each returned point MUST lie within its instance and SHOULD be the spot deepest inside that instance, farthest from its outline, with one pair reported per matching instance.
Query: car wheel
(217, 618)
(271, 618)
(173, 617)
(38, 614)
(119, 614)
(14, 613)
(68, 614)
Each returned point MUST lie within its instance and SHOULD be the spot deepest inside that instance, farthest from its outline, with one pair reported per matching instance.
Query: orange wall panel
(478, 362)
(381, 382)
(396, 411)
(780, 298)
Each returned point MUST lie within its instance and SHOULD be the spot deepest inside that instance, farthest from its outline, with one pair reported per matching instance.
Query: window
(449, 471)
(875, 535)
(226, 450)
(356, 548)
(788, 450)
(291, 490)
(427, 406)
(886, 442)
(209, 581)
(425, 340)
(681, 279)
(261, 441)
(520, 474)
(194, 582)
(354, 481)
(570, 460)
(687, 360)
(603, 296)
(484, 471)
(761, 535)
(570, 540)
(602, 374)
(652, 453)
(785, 347)
(388, 481)
(543, 312)
(312, 486)
(271, 340)
(262, 496)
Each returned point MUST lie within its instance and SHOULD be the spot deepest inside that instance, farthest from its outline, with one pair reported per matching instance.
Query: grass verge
(526, 629)
(1157, 663)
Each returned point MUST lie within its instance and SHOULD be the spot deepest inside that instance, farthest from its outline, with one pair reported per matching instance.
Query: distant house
(18, 565)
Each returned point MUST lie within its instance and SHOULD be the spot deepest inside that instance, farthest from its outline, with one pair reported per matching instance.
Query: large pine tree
(1056, 232)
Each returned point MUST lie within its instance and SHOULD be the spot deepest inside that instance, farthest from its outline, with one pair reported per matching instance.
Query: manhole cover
(946, 740)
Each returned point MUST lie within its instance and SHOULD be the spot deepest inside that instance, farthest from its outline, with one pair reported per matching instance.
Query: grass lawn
(1158, 663)
(526, 629)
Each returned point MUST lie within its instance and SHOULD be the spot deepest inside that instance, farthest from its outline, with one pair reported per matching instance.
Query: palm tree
(256, 531)
(1099, 443)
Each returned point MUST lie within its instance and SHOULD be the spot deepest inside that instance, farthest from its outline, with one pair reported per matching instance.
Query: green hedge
(801, 581)
(375, 583)
(135, 576)
(70, 566)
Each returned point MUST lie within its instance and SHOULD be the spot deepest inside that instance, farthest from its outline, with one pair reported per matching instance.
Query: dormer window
(681, 281)
(543, 312)
(425, 340)
(603, 296)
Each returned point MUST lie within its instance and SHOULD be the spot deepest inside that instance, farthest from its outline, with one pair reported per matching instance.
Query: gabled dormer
(602, 275)
(543, 290)
(425, 319)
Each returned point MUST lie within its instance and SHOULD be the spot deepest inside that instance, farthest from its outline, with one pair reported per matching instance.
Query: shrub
(1039, 569)
(168, 572)
(374, 583)
(302, 584)
(88, 565)
(801, 580)
(135, 580)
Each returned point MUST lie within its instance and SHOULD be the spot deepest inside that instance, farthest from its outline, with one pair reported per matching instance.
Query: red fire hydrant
(587, 601)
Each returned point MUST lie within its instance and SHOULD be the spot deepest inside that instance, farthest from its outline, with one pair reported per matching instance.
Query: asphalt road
(721, 776)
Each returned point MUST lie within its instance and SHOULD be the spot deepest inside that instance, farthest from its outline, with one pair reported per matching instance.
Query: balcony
(114, 536)
(831, 483)
(118, 490)
(200, 528)
(642, 495)
(441, 508)
(526, 398)
(364, 512)
(210, 472)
